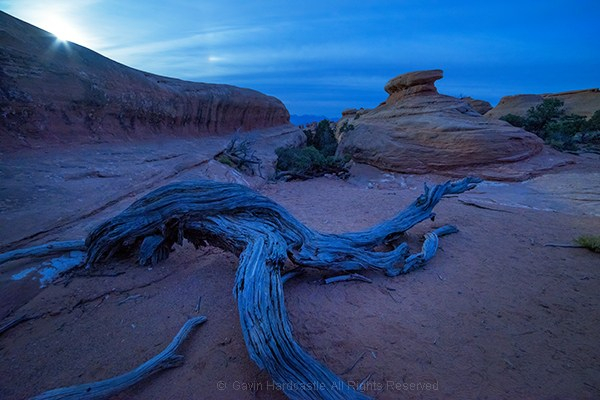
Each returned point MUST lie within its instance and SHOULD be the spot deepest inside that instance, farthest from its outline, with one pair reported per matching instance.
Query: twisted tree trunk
(265, 235)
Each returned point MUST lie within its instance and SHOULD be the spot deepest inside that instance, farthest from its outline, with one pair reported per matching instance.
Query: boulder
(481, 106)
(580, 102)
(418, 82)
(58, 92)
(418, 130)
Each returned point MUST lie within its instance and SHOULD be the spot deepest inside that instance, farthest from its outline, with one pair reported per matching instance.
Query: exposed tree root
(265, 236)
(348, 277)
(103, 389)
(43, 250)
(11, 324)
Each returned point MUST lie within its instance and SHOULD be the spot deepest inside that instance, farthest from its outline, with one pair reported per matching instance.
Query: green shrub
(323, 139)
(346, 127)
(307, 162)
(539, 117)
(589, 242)
(317, 158)
(225, 159)
(563, 132)
(514, 120)
(591, 137)
(310, 137)
(593, 124)
(303, 160)
(568, 125)
(561, 141)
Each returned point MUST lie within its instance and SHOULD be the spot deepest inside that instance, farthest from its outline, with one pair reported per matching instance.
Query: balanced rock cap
(416, 78)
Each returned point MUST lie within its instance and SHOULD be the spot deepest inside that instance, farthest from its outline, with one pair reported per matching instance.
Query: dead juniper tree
(264, 236)
(239, 155)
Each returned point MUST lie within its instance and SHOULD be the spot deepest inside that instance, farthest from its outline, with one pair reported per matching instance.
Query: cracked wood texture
(265, 236)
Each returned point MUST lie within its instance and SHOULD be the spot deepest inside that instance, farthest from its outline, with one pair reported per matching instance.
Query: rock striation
(55, 92)
(580, 102)
(418, 130)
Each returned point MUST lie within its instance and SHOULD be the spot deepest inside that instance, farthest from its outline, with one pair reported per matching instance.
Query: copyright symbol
(221, 385)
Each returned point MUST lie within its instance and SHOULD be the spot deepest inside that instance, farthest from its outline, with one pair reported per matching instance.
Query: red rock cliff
(53, 92)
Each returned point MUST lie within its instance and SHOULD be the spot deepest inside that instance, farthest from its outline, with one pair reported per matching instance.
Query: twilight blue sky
(320, 57)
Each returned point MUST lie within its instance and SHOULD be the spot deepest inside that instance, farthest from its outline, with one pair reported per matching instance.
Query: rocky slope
(417, 130)
(580, 102)
(53, 92)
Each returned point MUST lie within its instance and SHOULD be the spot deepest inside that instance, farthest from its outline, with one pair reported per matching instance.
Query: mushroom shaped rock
(418, 130)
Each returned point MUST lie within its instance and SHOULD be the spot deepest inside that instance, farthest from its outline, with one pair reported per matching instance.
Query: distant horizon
(329, 56)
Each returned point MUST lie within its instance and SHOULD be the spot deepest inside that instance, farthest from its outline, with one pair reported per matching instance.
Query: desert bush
(593, 124)
(538, 118)
(308, 162)
(591, 138)
(561, 141)
(323, 139)
(346, 127)
(317, 158)
(310, 136)
(568, 125)
(303, 160)
(563, 132)
(514, 120)
(589, 242)
(240, 155)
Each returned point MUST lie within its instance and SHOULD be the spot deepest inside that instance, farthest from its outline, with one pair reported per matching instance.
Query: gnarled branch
(264, 234)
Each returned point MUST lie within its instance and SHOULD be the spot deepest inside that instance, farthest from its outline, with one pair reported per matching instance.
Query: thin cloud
(349, 49)
(210, 39)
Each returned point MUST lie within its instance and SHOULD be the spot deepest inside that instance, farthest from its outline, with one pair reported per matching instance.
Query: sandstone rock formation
(580, 102)
(418, 82)
(53, 92)
(417, 130)
(481, 106)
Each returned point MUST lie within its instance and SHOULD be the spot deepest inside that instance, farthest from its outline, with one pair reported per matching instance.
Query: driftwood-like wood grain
(265, 235)
(43, 250)
(106, 388)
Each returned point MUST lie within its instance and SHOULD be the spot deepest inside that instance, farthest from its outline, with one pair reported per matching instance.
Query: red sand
(495, 314)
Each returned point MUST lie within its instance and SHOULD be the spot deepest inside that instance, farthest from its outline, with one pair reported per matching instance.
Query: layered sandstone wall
(57, 92)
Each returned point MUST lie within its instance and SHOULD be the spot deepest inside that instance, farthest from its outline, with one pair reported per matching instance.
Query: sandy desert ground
(496, 314)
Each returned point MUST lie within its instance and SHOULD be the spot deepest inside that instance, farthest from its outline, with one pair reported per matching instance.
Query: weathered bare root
(43, 250)
(265, 235)
(106, 388)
